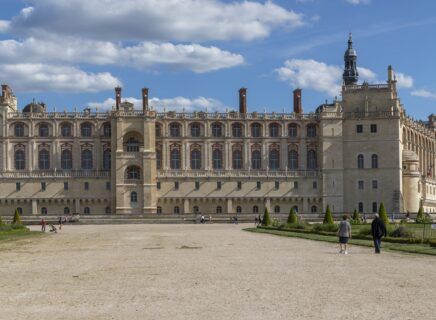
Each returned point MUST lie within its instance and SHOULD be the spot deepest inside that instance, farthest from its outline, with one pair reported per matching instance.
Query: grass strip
(16, 234)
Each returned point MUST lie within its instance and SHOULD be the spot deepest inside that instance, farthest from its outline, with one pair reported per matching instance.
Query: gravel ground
(206, 272)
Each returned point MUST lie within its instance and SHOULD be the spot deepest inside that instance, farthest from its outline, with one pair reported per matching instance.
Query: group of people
(257, 220)
(378, 231)
(52, 227)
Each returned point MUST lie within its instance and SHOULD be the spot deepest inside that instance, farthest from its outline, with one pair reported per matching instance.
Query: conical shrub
(266, 220)
(292, 218)
(420, 215)
(328, 218)
(17, 218)
(383, 214)
(356, 216)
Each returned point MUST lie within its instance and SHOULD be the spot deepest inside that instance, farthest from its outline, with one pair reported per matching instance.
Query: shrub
(432, 243)
(299, 226)
(292, 218)
(328, 218)
(326, 227)
(400, 232)
(356, 217)
(276, 223)
(421, 218)
(266, 220)
(365, 231)
(1, 222)
(17, 219)
(383, 214)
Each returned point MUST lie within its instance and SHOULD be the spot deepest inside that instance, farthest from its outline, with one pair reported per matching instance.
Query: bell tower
(350, 75)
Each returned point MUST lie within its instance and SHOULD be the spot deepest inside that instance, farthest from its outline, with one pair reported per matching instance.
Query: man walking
(43, 223)
(378, 230)
(344, 233)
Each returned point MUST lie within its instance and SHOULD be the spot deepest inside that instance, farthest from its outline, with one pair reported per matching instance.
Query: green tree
(1, 222)
(328, 218)
(383, 214)
(266, 220)
(17, 218)
(356, 216)
(292, 218)
(420, 215)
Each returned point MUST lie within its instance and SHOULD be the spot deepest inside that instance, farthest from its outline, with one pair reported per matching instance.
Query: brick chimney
(144, 99)
(118, 97)
(243, 100)
(298, 108)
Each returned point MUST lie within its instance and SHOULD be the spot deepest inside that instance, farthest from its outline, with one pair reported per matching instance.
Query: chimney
(118, 97)
(298, 108)
(144, 99)
(243, 100)
(6, 91)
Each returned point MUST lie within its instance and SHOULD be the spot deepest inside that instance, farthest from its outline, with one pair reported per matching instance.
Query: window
(86, 210)
(258, 185)
(20, 210)
(65, 185)
(133, 173)
(66, 210)
(176, 210)
(238, 209)
(274, 159)
(217, 129)
(313, 209)
(256, 130)
(196, 209)
(239, 185)
(374, 161)
(360, 161)
(107, 210)
(256, 160)
(237, 159)
(108, 185)
(277, 185)
(158, 130)
(217, 157)
(373, 128)
(295, 184)
(197, 185)
(66, 130)
(219, 209)
(195, 130)
(359, 128)
(277, 209)
(159, 210)
(237, 130)
(158, 159)
(17, 186)
(175, 159)
(86, 185)
(43, 130)
(133, 197)
(255, 209)
(86, 129)
(374, 184)
(274, 130)
(374, 207)
(360, 184)
(132, 145)
(43, 160)
(66, 159)
(314, 185)
(20, 160)
(176, 185)
(295, 208)
(195, 159)
(107, 159)
(43, 186)
(293, 130)
(218, 185)
(86, 159)
(311, 160)
(107, 130)
(174, 130)
(19, 130)
(360, 205)
(43, 210)
(311, 131)
(293, 160)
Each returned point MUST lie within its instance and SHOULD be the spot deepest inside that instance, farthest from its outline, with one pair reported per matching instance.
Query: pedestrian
(60, 223)
(43, 224)
(344, 233)
(378, 231)
(259, 220)
(255, 221)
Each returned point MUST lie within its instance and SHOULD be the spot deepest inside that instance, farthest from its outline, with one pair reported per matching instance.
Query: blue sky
(196, 54)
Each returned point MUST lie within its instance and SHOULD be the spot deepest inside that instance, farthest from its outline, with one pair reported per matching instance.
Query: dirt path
(206, 272)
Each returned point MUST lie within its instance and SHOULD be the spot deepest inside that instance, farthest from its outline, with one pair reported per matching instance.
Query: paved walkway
(206, 272)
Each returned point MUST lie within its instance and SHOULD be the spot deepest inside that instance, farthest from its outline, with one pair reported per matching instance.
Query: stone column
(230, 206)
(34, 206)
(77, 205)
(186, 207)
(267, 205)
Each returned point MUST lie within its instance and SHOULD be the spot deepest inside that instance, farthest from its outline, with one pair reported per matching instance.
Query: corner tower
(350, 75)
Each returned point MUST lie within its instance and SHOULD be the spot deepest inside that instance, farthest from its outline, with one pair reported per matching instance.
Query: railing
(365, 86)
(56, 174)
(237, 173)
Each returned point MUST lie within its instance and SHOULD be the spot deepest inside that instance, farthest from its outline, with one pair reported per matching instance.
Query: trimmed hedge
(328, 218)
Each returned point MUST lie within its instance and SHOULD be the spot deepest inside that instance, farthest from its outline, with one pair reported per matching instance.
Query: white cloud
(367, 75)
(155, 20)
(356, 2)
(29, 77)
(424, 94)
(4, 26)
(403, 80)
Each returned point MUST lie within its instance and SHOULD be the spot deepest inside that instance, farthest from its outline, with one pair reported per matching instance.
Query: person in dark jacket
(378, 231)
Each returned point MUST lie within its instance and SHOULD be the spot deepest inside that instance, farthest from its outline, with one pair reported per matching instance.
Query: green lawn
(7, 234)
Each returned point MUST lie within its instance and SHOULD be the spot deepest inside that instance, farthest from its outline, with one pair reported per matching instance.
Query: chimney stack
(144, 99)
(243, 100)
(6, 91)
(117, 97)
(298, 108)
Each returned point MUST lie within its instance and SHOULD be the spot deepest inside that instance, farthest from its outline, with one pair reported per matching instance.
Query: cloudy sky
(196, 54)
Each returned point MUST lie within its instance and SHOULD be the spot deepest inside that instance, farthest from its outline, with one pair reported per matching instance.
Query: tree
(383, 214)
(356, 216)
(420, 216)
(17, 218)
(292, 218)
(266, 221)
(1, 222)
(328, 218)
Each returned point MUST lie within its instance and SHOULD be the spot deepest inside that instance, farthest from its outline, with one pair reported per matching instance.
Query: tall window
(19, 130)
(255, 209)
(66, 210)
(20, 160)
(195, 130)
(43, 210)
(311, 131)
(219, 209)
(86, 129)
(374, 161)
(158, 130)
(274, 159)
(311, 160)
(86, 210)
(238, 209)
(293, 130)
(195, 159)
(66, 159)
(174, 129)
(313, 209)
(107, 159)
(132, 145)
(274, 130)
(237, 130)
(159, 210)
(133, 172)
(107, 131)
(175, 159)
(277, 209)
(374, 207)
(217, 129)
(176, 210)
(66, 130)
(256, 160)
(293, 160)
(256, 130)
(158, 159)
(360, 161)
(133, 196)
(43, 130)
(217, 159)
(237, 159)
(360, 206)
(43, 160)
(86, 159)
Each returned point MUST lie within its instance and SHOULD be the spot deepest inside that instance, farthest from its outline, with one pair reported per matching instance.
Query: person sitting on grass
(53, 228)
(344, 233)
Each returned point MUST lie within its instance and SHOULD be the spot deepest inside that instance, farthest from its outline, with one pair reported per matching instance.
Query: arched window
(132, 145)
(159, 210)
(196, 209)
(313, 209)
(293, 130)
(217, 159)
(43, 130)
(274, 159)
(295, 208)
(86, 129)
(277, 209)
(107, 130)
(158, 159)
(158, 130)
(107, 210)
(20, 160)
(274, 130)
(195, 130)
(86, 159)
(374, 207)
(237, 130)
(19, 130)
(311, 160)
(107, 159)
(374, 161)
(86, 210)
(360, 207)
(43, 210)
(195, 159)
(217, 129)
(66, 210)
(360, 161)
(219, 209)
(133, 196)
(174, 129)
(255, 209)
(175, 159)
(20, 210)
(237, 159)
(311, 131)
(256, 130)
(238, 209)
(256, 160)
(66, 130)
(66, 159)
(176, 210)
(133, 172)
(43, 159)
(293, 160)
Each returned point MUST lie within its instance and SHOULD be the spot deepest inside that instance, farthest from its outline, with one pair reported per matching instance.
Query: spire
(350, 75)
